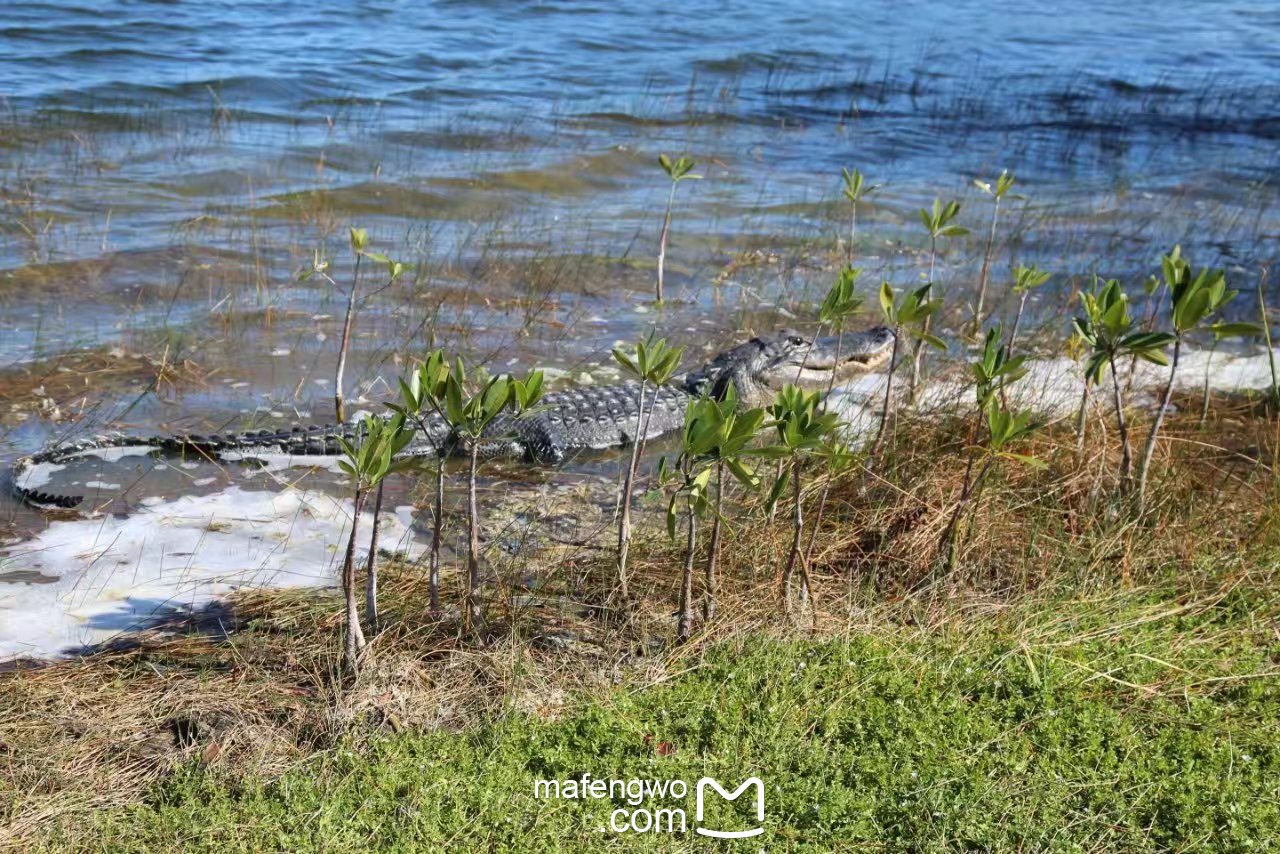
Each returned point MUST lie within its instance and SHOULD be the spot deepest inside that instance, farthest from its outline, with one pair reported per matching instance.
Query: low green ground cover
(1134, 720)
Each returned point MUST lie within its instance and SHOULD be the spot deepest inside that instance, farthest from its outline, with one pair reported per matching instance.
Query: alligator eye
(797, 340)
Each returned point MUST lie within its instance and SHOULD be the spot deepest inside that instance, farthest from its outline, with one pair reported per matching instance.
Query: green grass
(1131, 721)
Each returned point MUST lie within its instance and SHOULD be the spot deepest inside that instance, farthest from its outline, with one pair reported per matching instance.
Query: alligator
(588, 417)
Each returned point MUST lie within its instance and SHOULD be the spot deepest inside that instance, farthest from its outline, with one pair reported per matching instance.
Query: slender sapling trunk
(986, 266)
(1145, 465)
(888, 398)
(826, 484)
(1126, 461)
(684, 625)
(853, 229)
(371, 580)
(713, 550)
(437, 529)
(917, 355)
(1266, 334)
(346, 341)
(1204, 397)
(1082, 417)
(797, 523)
(353, 637)
(473, 614)
(628, 481)
(662, 240)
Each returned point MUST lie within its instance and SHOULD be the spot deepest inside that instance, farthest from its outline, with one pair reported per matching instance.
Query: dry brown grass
(256, 684)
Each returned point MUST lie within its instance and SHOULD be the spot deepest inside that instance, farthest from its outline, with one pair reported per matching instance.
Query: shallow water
(166, 171)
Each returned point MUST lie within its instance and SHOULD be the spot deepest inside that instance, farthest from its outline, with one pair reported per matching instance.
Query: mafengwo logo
(752, 783)
(658, 806)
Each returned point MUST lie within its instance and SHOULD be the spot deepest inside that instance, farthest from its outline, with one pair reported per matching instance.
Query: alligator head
(758, 368)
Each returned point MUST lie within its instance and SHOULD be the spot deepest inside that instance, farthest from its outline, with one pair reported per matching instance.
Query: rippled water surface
(167, 170)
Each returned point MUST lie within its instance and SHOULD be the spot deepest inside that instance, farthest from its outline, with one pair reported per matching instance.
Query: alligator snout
(852, 352)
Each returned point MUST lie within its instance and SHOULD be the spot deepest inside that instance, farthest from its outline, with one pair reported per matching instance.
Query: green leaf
(779, 486)
(886, 302)
(1222, 329)
(1156, 357)
(626, 362)
(932, 340)
(1026, 459)
(359, 238)
(742, 474)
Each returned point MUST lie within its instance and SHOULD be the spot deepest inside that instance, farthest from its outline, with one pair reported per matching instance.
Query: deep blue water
(913, 90)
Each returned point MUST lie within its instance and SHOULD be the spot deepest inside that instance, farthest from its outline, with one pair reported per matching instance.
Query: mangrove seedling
(470, 414)
(906, 313)
(1025, 280)
(652, 362)
(993, 372)
(715, 437)
(677, 170)
(938, 222)
(855, 189)
(421, 397)
(840, 304)
(802, 428)
(1076, 348)
(1193, 299)
(359, 241)
(997, 193)
(1107, 328)
(735, 431)
(1004, 427)
(368, 460)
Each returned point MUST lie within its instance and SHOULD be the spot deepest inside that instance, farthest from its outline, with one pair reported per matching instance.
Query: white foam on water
(1052, 387)
(113, 574)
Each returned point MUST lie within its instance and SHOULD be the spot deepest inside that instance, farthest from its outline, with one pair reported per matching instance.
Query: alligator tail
(299, 441)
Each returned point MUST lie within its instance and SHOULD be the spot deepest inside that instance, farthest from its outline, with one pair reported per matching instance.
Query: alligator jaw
(844, 355)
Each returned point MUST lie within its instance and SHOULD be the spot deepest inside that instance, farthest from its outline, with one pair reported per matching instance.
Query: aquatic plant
(938, 221)
(1077, 348)
(909, 313)
(855, 189)
(652, 362)
(1107, 329)
(734, 431)
(359, 242)
(997, 192)
(1193, 298)
(469, 412)
(840, 304)
(802, 429)
(993, 372)
(1025, 280)
(368, 460)
(715, 436)
(677, 171)
(420, 397)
